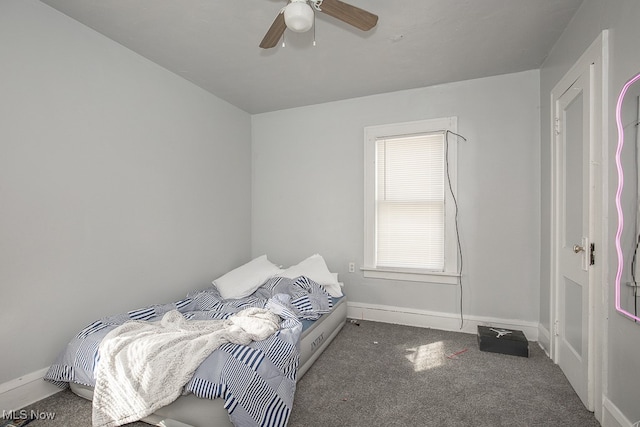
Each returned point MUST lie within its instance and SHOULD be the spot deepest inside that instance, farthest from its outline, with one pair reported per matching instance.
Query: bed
(223, 388)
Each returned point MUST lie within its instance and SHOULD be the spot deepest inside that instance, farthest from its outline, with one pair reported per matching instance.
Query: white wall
(121, 184)
(622, 371)
(308, 191)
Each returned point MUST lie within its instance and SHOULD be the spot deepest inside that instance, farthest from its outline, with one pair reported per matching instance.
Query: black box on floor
(505, 341)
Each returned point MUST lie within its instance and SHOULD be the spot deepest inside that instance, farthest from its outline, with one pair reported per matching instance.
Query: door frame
(595, 62)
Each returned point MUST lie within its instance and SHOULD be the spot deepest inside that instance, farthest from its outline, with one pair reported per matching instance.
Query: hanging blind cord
(455, 203)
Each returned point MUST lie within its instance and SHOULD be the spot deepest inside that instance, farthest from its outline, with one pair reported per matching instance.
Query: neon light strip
(618, 196)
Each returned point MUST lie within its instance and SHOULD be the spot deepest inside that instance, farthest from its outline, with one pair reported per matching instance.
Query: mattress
(190, 410)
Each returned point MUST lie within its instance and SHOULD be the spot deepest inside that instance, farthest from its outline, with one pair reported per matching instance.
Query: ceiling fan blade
(275, 32)
(352, 15)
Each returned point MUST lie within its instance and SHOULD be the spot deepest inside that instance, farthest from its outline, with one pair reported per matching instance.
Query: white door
(573, 136)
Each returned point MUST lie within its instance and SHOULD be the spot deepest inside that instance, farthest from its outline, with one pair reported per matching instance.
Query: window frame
(450, 274)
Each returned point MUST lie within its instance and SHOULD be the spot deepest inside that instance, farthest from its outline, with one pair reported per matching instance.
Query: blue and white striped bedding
(257, 381)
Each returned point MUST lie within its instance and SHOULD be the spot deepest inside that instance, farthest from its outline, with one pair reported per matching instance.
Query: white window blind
(410, 202)
(410, 174)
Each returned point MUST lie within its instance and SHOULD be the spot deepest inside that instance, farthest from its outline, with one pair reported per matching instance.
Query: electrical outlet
(352, 267)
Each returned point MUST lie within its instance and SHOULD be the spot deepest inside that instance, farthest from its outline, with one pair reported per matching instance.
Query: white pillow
(244, 280)
(315, 269)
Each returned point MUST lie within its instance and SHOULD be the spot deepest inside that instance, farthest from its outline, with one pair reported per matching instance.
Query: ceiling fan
(298, 16)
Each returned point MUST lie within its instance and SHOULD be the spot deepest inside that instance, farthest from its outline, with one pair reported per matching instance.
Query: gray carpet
(377, 374)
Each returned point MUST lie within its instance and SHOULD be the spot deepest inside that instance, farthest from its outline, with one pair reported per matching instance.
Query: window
(410, 229)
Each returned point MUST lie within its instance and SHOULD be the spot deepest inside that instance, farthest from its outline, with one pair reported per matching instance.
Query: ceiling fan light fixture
(298, 16)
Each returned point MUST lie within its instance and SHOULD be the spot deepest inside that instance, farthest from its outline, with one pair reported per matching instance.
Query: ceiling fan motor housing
(298, 16)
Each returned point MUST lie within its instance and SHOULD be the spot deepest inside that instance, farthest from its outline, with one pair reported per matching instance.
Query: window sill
(410, 275)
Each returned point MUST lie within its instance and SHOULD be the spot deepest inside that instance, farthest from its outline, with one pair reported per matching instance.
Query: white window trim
(371, 134)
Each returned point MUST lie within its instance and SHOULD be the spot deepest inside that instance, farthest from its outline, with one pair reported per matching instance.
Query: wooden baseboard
(25, 390)
(612, 416)
(435, 320)
(544, 339)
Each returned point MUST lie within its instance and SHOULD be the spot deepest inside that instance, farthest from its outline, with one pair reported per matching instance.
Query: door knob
(577, 249)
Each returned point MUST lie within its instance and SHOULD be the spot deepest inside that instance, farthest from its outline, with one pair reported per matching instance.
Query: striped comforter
(257, 381)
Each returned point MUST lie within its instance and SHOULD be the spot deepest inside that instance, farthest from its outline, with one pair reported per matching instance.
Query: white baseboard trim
(613, 417)
(25, 390)
(435, 320)
(544, 339)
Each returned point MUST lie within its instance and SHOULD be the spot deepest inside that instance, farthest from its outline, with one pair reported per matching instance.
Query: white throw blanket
(144, 365)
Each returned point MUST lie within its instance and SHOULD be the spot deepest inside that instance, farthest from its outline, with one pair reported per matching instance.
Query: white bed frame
(192, 411)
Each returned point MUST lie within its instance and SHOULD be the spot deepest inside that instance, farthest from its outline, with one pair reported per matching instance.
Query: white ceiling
(417, 43)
